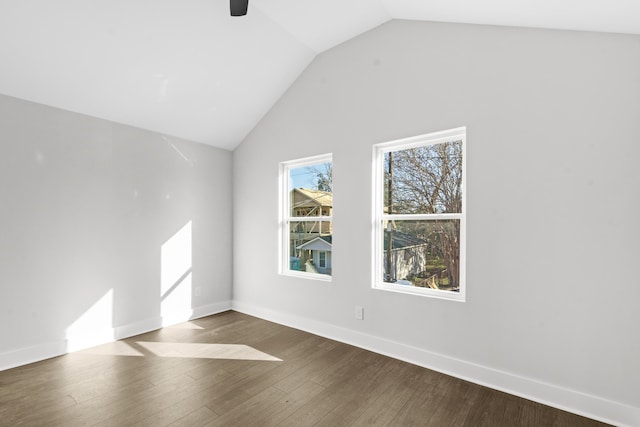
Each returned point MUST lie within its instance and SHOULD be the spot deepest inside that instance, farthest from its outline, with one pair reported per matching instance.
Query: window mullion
(423, 217)
(308, 218)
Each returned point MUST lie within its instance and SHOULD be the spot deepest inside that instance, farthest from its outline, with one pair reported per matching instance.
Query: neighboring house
(306, 202)
(316, 254)
(408, 255)
(311, 203)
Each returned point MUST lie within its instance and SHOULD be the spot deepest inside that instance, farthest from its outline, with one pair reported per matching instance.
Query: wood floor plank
(489, 409)
(449, 402)
(419, 408)
(198, 418)
(363, 391)
(292, 402)
(343, 393)
(253, 411)
(234, 369)
(322, 366)
(402, 382)
(164, 415)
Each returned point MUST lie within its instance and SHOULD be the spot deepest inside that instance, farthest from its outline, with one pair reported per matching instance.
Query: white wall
(88, 210)
(553, 128)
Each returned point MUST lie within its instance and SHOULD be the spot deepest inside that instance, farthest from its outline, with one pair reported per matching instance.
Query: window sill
(311, 276)
(423, 292)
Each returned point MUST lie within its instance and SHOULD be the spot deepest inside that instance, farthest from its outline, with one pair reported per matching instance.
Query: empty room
(319, 212)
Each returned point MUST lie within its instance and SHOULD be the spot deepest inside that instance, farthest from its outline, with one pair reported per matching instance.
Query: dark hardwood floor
(233, 369)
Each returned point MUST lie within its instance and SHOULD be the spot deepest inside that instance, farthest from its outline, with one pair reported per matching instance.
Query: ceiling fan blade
(239, 7)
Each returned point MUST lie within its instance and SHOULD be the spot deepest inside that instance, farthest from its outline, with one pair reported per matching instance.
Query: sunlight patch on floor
(116, 348)
(185, 325)
(206, 351)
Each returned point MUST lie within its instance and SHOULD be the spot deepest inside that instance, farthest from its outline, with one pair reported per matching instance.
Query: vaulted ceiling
(187, 69)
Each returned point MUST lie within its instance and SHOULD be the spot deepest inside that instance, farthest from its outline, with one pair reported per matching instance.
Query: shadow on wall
(96, 325)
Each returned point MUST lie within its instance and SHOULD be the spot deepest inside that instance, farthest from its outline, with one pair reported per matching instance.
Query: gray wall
(86, 206)
(553, 125)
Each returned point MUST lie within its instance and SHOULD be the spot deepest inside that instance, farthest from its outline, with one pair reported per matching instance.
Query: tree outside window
(419, 210)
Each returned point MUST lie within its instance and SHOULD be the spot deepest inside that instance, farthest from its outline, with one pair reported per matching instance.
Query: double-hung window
(306, 224)
(419, 215)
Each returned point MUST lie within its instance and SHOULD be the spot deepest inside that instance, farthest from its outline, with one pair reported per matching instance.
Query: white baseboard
(548, 394)
(37, 353)
(24, 356)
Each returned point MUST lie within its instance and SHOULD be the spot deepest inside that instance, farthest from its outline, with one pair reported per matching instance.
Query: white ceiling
(187, 69)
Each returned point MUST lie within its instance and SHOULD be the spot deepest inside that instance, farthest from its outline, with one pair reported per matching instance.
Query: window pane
(424, 253)
(310, 244)
(424, 180)
(310, 190)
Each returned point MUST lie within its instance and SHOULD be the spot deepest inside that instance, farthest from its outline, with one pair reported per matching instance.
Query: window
(322, 262)
(306, 217)
(419, 215)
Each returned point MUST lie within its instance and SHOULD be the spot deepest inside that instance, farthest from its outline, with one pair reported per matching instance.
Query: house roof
(187, 69)
(402, 240)
(321, 243)
(312, 197)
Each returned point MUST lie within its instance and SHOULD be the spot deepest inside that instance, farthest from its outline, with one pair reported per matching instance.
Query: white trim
(36, 353)
(308, 161)
(574, 401)
(305, 275)
(419, 140)
(378, 215)
(23, 356)
(425, 292)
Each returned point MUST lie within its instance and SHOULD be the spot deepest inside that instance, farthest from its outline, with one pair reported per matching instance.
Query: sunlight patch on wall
(94, 326)
(175, 277)
(207, 351)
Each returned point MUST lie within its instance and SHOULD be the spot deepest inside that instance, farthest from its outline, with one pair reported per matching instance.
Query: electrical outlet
(198, 291)
(359, 312)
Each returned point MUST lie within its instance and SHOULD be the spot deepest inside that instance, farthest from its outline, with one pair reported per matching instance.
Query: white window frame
(286, 218)
(379, 150)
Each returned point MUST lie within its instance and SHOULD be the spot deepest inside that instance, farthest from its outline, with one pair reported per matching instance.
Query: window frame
(286, 219)
(379, 151)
